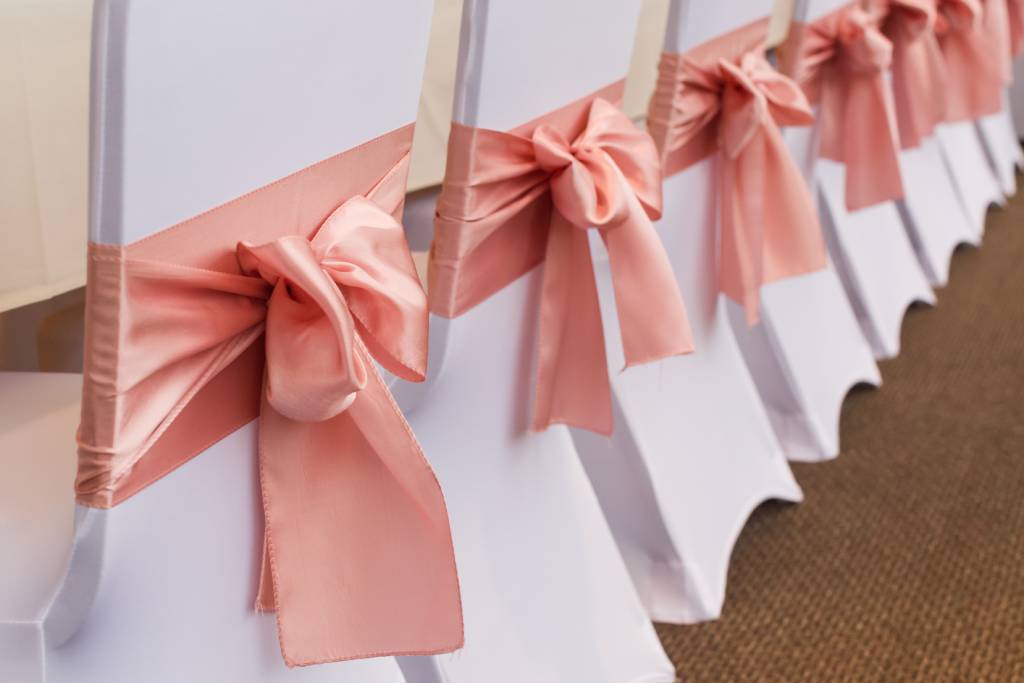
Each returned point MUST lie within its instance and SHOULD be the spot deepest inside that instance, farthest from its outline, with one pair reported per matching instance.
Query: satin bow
(769, 225)
(975, 43)
(842, 64)
(355, 270)
(358, 560)
(513, 200)
(918, 68)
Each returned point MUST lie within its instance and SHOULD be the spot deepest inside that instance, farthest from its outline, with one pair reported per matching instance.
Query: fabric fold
(724, 97)
(975, 41)
(918, 68)
(243, 313)
(840, 60)
(1015, 18)
(514, 200)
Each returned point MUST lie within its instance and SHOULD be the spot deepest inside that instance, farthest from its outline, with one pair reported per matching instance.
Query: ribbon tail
(358, 545)
(741, 205)
(871, 152)
(572, 370)
(652, 318)
(973, 85)
(793, 242)
(911, 87)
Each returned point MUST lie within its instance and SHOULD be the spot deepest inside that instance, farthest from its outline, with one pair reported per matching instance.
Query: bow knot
(755, 95)
(864, 49)
(588, 185)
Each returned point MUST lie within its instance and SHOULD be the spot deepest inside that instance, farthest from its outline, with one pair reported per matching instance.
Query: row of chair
(567, 542)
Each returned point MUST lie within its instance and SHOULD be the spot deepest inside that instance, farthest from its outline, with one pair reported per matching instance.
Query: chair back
(543, 585)
(195, 104)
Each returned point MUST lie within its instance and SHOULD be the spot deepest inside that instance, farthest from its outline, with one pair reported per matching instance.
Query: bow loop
(363, 250)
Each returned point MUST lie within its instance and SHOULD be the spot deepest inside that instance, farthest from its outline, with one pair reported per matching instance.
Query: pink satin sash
(511, 201)
(723, 96)
(975, 41)
(918, 68)
(840, 61)
(276, 306)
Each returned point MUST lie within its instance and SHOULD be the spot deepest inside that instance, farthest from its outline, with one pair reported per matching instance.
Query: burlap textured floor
(906, 561)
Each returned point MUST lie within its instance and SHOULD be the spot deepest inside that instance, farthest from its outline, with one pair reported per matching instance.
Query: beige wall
(44, 75)
(44, 78)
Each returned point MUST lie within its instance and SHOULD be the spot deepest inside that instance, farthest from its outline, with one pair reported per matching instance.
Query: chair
(161, 587)
(931, 210)
(808, 350)
(977, 73)
(545, 593)
(869, 246)
(693, 451)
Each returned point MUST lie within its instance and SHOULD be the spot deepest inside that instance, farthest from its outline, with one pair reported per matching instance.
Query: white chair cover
(808, 350)
(1003, 146)
(977, 185)
(693, 452)
(193, 105)
(817, 323)
(546, 596)
(932, 210)
(870, 247)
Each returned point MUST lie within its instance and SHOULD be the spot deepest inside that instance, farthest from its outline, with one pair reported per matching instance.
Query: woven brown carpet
(906, 561)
